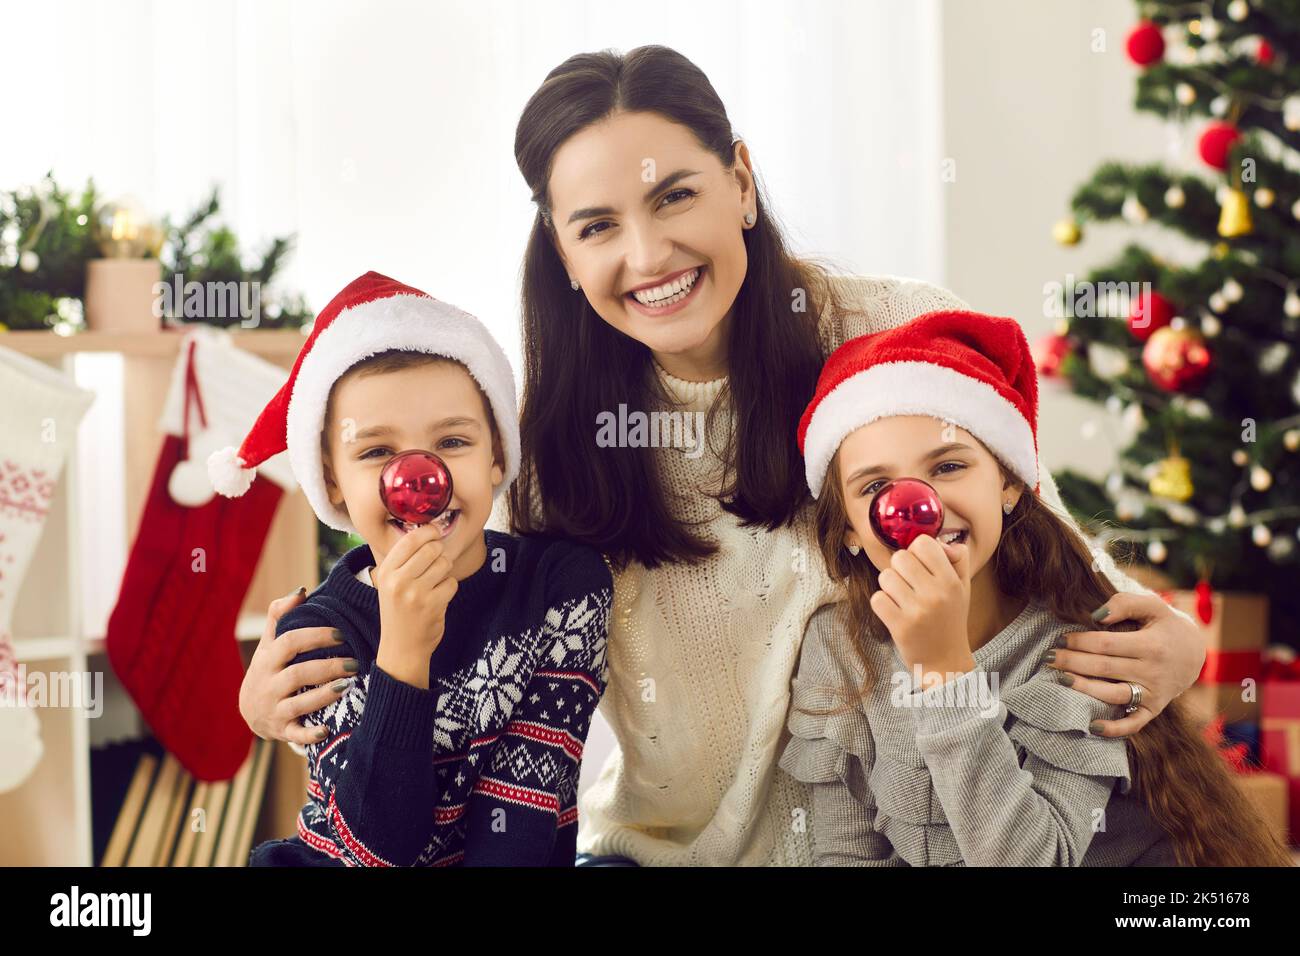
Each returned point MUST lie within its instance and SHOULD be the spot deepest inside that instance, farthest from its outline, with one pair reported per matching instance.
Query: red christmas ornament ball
(415, 486)
(1176, 359)
(1264, 54)
(1216, 142)
(1148, 312)
(1049, 352)
(1146, 44)
(903, 510)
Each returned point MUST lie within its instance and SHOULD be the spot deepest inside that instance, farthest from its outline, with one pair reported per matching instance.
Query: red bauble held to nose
(903, 510)
(415, 486)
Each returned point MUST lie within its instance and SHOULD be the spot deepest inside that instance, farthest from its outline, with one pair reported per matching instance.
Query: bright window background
(381, 133)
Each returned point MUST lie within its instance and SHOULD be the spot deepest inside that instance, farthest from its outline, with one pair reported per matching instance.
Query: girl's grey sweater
(993, 768)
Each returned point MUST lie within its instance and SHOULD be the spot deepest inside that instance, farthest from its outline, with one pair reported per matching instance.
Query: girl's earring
(855, 550)
(749, 218)
(573, 284)
(1008, 507)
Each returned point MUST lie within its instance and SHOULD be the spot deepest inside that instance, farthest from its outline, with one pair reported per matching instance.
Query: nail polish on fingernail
(337, 635)
(351, 665)
(1094, 728)
(1066, 679)
(340, 684)
(301, 591)
(322, 732)
(1049, 656)
(1101, 613)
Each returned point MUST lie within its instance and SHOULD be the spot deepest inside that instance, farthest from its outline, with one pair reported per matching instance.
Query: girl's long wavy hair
(1177, 776)
(577, 366)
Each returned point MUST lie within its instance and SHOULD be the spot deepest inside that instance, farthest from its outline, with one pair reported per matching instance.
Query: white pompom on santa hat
(372, 314)
(973, 370)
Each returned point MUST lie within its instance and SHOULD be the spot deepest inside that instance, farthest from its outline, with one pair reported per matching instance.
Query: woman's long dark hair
(1186, 787)
(576, 365)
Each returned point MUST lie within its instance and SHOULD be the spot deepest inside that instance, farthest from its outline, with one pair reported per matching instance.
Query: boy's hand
(924, 600)
(415, 586)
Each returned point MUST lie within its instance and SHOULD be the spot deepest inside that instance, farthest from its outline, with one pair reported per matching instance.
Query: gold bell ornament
(1234, 217)
(1172, 479)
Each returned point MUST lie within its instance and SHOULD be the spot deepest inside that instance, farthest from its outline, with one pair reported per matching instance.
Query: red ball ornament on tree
(1049, 352)
(415, 486)
(1176, 359)
(903, 510)
(1146, 44)
(1216, 142)
(1148, 312)
(1264, 54)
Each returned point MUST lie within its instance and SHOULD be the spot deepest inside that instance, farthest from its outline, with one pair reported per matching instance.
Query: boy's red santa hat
(973, 370)
(372, 314)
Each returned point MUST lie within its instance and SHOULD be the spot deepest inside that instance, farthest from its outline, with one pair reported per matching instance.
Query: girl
(958, 744)
(682, 294)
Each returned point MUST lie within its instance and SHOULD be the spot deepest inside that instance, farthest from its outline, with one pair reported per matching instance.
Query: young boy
(482, 655)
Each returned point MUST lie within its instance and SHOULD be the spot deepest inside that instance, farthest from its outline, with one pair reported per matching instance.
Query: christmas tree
(1196, 359)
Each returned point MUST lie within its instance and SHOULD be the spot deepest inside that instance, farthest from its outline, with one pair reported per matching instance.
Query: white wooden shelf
(62, 609)
(272, 345)
(247, 628)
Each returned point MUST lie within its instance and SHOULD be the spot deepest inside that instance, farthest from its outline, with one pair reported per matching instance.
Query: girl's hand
(1163, 658)
(924, 600)
(269, 700)
(415, 586)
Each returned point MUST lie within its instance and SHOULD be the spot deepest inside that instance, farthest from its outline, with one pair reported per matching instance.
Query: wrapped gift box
(1279, 740)
(1268, 792)
(1235, 636)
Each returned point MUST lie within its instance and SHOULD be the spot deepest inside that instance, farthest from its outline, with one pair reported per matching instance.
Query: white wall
(1029, 112)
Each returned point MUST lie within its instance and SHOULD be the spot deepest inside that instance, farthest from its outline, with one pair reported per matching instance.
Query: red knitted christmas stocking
(171, 638)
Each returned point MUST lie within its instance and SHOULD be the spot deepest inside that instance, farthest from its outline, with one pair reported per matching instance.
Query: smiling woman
(590, 140)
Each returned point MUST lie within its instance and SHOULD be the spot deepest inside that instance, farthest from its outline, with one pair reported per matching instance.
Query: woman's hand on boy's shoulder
(269, 698)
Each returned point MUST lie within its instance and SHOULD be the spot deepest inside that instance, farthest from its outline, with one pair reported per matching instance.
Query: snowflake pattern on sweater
(482, 768)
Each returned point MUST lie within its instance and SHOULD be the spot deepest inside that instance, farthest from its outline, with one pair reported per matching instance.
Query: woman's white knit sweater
(701, 657)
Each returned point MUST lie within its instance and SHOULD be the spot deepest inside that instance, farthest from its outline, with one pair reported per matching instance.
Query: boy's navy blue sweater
(482, 767)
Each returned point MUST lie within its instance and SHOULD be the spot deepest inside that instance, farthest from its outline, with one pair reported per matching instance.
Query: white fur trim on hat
(227, 473)
(413, 323)
(918, 388)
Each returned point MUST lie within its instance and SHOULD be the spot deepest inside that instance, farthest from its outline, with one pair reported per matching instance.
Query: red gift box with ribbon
(1279, 727)
(1235, 629)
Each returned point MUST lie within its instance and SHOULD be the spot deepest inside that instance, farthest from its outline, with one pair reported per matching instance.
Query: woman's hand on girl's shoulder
(269, 700)
(1163, 658)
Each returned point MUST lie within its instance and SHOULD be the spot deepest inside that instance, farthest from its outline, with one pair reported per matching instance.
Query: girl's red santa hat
(373, 314)
(973, 370)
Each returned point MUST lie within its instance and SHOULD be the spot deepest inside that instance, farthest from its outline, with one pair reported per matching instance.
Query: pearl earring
(749, 218)
(855, 550)
(1008, 507)
(573, 284)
